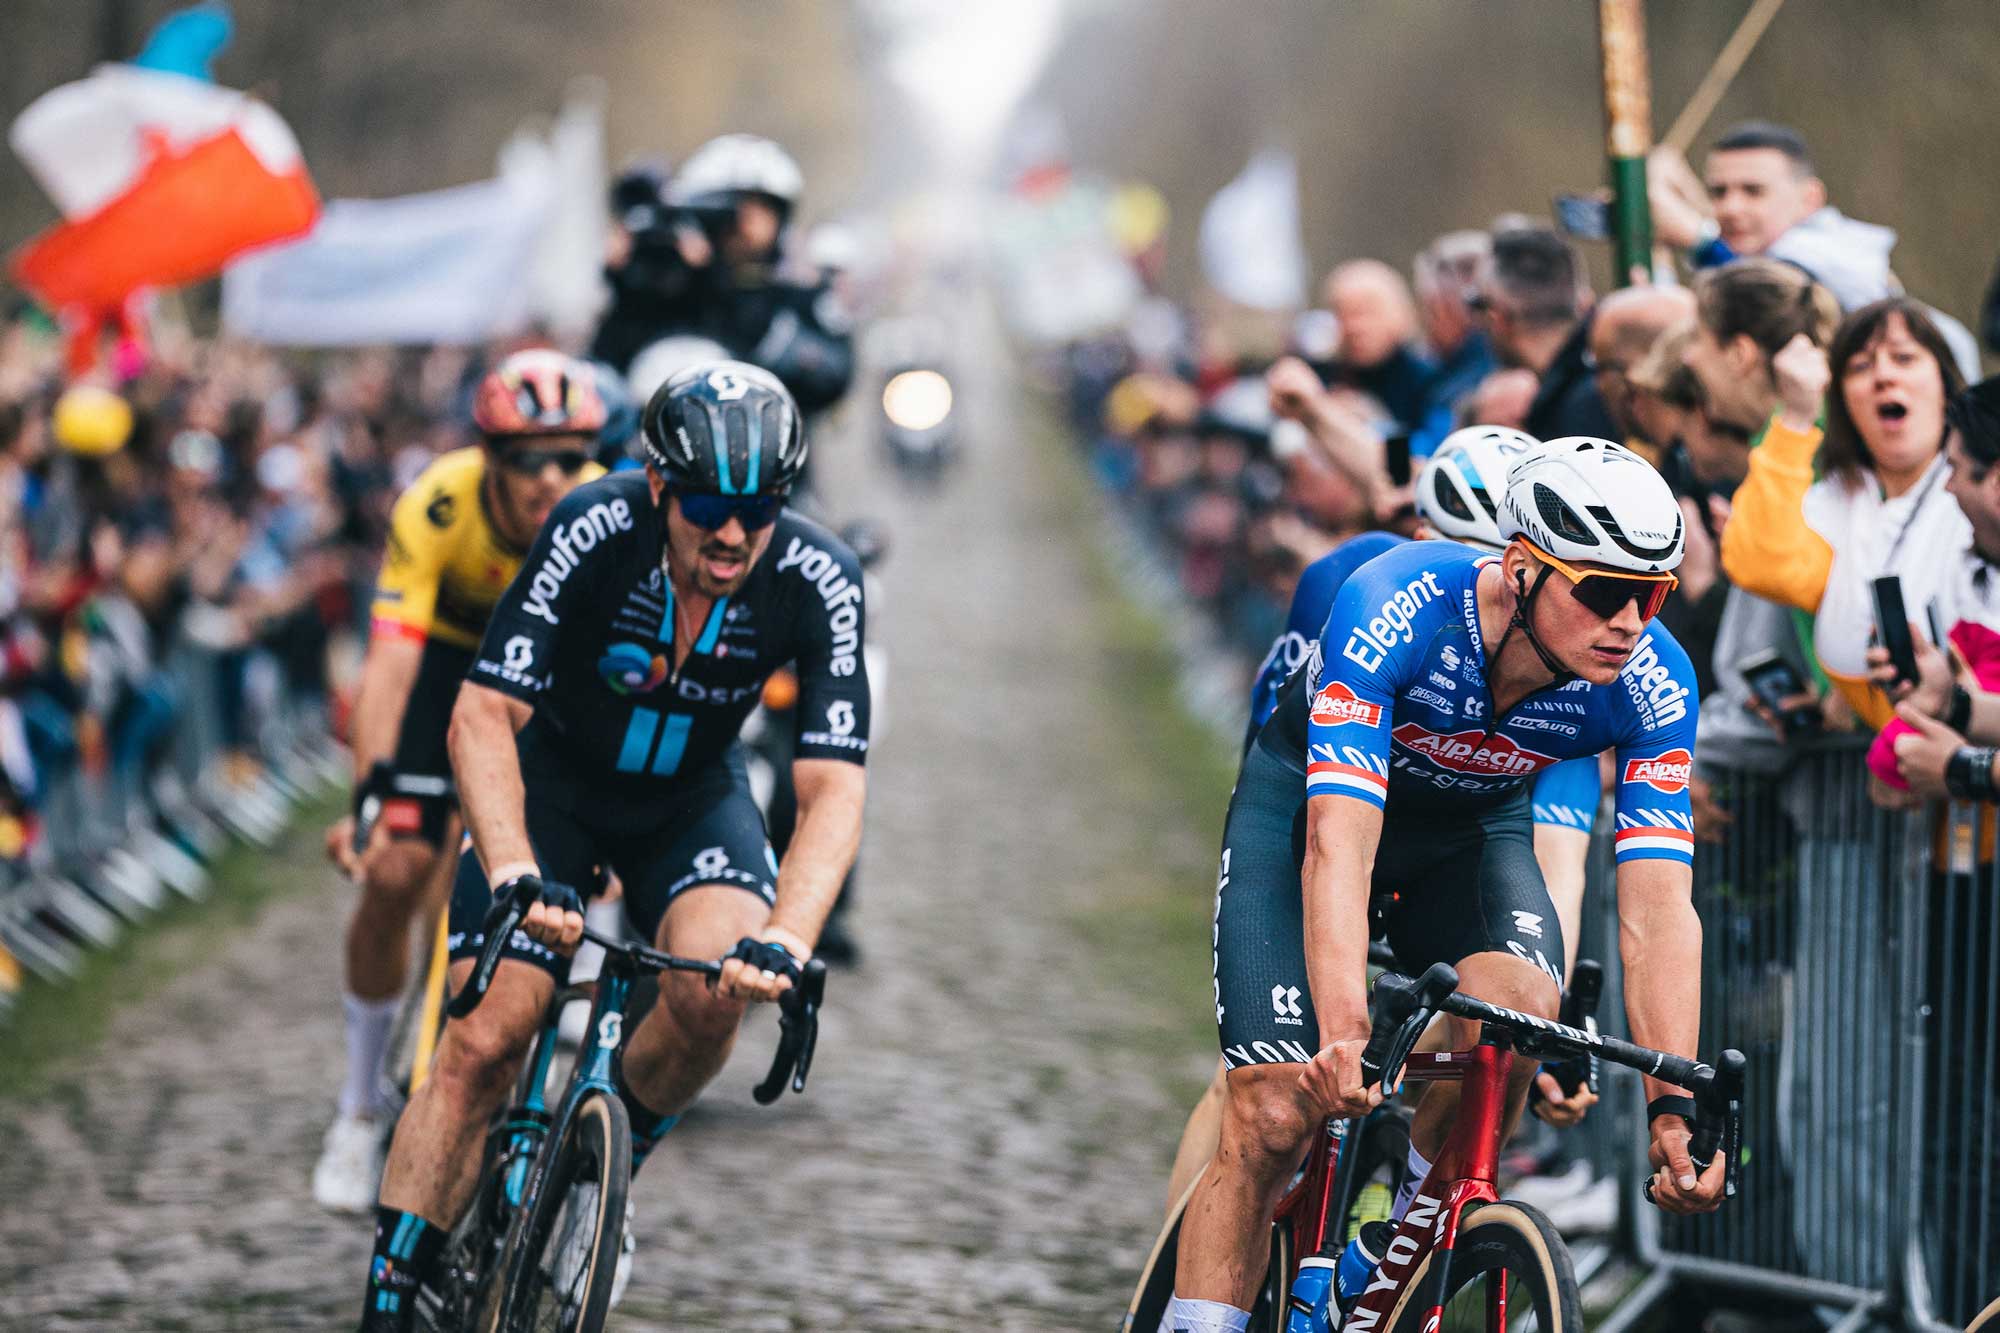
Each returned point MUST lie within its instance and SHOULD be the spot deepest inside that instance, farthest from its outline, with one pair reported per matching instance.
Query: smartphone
(1398, 457)
(1936, 624)
(1586, 217)
(1892, 627)
(1773, 679)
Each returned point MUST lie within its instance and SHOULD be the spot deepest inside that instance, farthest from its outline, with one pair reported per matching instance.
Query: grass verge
(54, 1020)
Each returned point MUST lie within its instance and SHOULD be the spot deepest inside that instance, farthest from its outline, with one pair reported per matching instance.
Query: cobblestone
(986, 1136)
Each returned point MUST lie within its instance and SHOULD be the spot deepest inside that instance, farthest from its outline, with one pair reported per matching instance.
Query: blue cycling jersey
(1318, 583)
(1394, 699)
(1565, 795)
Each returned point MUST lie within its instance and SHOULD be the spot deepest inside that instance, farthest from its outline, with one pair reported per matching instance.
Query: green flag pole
(1628, 133)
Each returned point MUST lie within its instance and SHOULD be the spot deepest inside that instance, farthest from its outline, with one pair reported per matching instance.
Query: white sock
(368, 1024)
(1419, 1170)
(1186, 1316)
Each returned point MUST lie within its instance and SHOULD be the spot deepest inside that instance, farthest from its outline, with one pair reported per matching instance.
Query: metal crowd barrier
(1854, 955)
(122, 839)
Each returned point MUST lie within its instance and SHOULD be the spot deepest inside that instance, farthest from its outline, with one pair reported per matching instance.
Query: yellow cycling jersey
(445, 566)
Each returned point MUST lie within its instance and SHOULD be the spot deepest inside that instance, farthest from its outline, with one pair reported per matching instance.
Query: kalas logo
(1667, 773)
(1472, 751)
(1337, 704)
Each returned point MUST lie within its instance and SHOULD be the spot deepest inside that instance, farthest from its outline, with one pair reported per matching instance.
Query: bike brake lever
(798, 1029)
(499, 927)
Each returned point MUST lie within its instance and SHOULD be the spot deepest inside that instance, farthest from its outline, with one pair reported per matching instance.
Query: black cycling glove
(765, 957)
(527, 890)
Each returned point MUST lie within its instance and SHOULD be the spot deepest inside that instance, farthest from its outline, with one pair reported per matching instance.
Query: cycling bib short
(1463, 883)
(1566, 794)
(709, 831)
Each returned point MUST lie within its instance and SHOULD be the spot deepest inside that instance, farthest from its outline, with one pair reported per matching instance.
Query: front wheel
(563, 1249)
(1509, 1266)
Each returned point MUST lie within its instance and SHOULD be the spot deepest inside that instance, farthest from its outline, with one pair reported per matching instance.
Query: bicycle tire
(1986, 1321)
(594, 1144)
(1156, 1281)
(1492, 1237)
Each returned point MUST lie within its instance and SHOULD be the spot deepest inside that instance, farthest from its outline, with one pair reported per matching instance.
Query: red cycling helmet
(538, 392)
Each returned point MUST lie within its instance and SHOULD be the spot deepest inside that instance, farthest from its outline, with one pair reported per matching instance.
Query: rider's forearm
(1659, 941)
(831, 794)
(388, 674)
(488, 770)
(1341, 835)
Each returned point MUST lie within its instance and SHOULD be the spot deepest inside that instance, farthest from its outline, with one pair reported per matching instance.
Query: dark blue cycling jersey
(1565, 796)
(1393, 698)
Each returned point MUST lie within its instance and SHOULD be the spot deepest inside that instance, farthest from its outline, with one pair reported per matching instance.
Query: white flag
(450, 266)
(1250, 246)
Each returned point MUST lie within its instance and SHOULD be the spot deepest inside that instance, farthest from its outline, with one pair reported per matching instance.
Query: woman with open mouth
(1880, 506)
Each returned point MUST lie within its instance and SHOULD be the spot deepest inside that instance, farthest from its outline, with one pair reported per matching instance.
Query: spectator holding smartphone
(1881, 507)
(1947, 717)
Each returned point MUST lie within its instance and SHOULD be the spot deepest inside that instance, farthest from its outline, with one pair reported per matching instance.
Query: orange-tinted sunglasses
(1604, 592)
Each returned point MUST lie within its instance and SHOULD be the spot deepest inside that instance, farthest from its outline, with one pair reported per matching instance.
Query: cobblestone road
(996, 1094)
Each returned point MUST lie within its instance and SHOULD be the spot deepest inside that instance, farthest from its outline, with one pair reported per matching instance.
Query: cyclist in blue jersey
(1455, 499)
(1401, 757)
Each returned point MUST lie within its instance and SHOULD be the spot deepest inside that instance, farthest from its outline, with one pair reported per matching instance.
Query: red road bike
(1462, 1258)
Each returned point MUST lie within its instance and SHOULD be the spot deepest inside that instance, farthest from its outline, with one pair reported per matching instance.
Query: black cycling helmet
(725, 428)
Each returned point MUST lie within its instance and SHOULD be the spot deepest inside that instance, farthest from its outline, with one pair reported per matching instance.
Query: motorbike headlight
(917, 400)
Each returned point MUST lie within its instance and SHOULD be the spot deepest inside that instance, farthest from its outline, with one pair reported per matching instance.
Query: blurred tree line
(1412, 117)
(1409, 117)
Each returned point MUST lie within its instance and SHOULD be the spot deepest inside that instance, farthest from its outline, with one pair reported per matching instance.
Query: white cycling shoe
(348, 1176)
(575, 1251)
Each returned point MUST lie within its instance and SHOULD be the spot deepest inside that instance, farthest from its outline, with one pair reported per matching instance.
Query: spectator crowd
(1794, 396)
(191, 530)
(1822, 429)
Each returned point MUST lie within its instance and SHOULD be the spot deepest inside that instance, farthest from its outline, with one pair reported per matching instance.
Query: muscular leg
(1497, 978)
(1266, 1127)
(433, 1162)
(394, 875)
(684, 1040)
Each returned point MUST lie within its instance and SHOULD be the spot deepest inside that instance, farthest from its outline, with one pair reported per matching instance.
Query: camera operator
(700, 255)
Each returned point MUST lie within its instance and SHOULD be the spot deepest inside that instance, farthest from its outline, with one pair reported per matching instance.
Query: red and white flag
(161, 179)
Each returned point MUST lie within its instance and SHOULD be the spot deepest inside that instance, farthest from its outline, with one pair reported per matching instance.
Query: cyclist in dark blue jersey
(1401, 757)
(597, 727)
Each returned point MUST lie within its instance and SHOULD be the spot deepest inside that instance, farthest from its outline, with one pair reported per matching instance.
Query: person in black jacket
(700, 256)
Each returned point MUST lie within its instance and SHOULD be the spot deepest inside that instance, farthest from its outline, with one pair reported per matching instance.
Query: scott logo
(1667, 773)
(1337, 704)
(1472, 751)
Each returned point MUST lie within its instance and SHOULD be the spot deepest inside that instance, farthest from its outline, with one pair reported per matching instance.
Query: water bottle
(1360, 1259)
(1310, 1292)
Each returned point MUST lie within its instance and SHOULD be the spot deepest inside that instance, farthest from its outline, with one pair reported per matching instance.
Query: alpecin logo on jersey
(1472, 751)
(1668, 773)
(1337, 704)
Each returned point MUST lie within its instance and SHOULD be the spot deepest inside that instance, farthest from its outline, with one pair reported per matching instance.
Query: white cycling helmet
(1458, 491)
(660, 361)
(736, 164)
(1589, 500)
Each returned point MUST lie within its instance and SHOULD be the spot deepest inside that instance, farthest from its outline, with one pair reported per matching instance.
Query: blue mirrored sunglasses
(710, 512)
